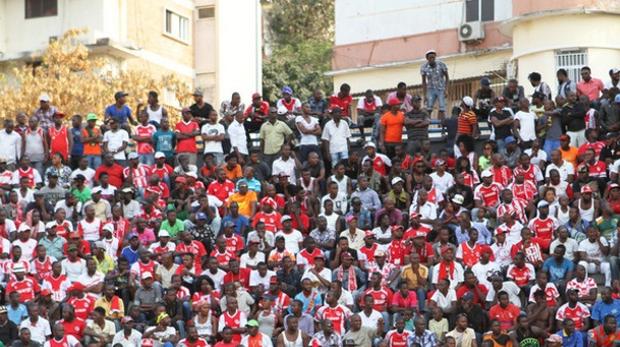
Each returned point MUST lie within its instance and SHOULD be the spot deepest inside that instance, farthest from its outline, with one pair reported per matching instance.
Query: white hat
(542, 203)
(370, 144)
(24, 227)
(486, 173)
(146, 275)
(458, 199)
(396, 180)
(282, 110)
(191, 174)
(108, 227)
(468, 101)
(127, 190)
(285, 218)
(132, 155)
(159, 155)
(96, 190)
(19, 267)
(430, 51)
(50, 225)
(44, 97)
(163, 233)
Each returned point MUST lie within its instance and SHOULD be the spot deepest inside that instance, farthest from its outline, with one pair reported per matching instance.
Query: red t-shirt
(271, 220)
(506, 316)
(115, 172)
(27, 288)
(344, 103)
(243, 277)
(145, 131)
(186, 145)
(221, 190)
(382, 298)
(74, 328)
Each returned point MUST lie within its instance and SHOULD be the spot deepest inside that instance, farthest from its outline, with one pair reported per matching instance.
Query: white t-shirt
(371, 321)
(378, 104)
(509, 287)
(284, 166)
(88, 280)
(237, 135)
(483, 271)
(527, 123)
(73, 270)
(337, 136)
(213, 130)
(540, 156)
(245, 260)
(306, 139)
(292, 240)
(27, 247)
(571, 247)
(115, 140)
(91, 230)
(325, 273)
(564, 170)
(444, 301)
(39, 331)
(256, 279)
(218, 277)
(592, 249)
(442, 183)
(89, 174)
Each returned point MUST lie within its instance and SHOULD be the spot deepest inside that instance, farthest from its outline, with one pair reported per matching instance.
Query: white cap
(285, 218)
(132, 155)
(429, 52)
(159, 155)
(191, 174)
(396, 180)
(44, 97)
(96, 190)
(486, 173)
(458, 199)
(282, 110)
(542, 203)
(50, 225)
(108, 227)
(370, 144)
(127, 190)
(24, 227)
(19, 267)
(163, 233)
(146, 275)
(468, 101)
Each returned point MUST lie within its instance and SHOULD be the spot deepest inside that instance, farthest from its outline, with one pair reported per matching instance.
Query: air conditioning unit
(471, 31)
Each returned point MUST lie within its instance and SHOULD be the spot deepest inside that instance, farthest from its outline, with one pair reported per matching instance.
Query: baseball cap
(44, 97)
(191, 174)
(77, 286)
(419, 234)
(368, 234)
(430, 51)
(370, 144)
(285, 218)
(393, 102)
(586, 189)
(91, 116)
(24, 227)
(108, 227)
(132, 155)
(197, 92)
(253, 239)
(100, 244)
(132, 235)
(468, 101)
(119, 94)
(126, 319)
(96, 190)
(159, 155)
(127, 190)
(379, 253)
(146, 275)
(396, 180)
(269, 201)
(287, 90)
(458, 199)
(542, 203)
(3, 309)
(50, 225)
(163, 233)
(19, 268)
(485, 81)
(252, 323)
(486, 173)
(509, 139)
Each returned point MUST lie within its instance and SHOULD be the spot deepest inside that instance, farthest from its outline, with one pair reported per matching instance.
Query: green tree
(301, 33)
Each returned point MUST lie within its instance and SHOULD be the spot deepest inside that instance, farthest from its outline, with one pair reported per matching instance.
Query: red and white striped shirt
(145, 131)
(140, 175)
(338, 315)
(531, 174)
(525, 191)
(577, 314)
(516, 206)
(489, 195)
(396, 339)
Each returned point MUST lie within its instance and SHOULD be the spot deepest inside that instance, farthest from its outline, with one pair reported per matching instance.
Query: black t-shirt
(505, 130)
(574, 117)
(201, 112)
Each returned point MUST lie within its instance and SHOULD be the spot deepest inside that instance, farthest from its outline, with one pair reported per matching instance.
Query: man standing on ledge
(434, 82)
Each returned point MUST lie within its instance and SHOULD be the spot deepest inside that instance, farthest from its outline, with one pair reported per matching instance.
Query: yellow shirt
(106, 305)
(411, 277)
(274, 135)
(244, 201)
(106, 265)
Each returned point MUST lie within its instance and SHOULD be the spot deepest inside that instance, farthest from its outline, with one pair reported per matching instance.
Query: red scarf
(352, 280)
(115, 305)
(443, 274)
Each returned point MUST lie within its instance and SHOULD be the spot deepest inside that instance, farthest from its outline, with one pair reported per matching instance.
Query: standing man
(200, 109)
(565, 85)
(186, 131)
(273, 134)
(119, 110)
(45, 112)
(391, 128)
(589, 86)
(11, 149)
(416, 122)
(467, 123)
(434, 82)
(336, 135)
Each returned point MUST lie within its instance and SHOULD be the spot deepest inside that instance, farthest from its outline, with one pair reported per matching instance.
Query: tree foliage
(302, 37)
(78, 83)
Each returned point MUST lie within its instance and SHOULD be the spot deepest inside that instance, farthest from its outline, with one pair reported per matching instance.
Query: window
(479, 10)
(41, 8)
(206, 12)
(572, 61)
(177, 26)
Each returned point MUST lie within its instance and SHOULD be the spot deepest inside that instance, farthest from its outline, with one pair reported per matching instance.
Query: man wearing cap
(287, 102)
(434, 82)
(128, 336)
(380, 162)
(254, 337)
(119, 110)
(26, 287)
(391, 127)
(45, 112)
(25, 242)
(292, 237)
(467, 122)
(200, 109)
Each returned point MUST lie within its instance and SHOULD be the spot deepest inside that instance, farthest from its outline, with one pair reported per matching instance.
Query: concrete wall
(369, 20)
(460, 67)
(535, 42)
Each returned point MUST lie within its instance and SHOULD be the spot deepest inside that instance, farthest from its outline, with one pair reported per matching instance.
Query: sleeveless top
(34, 145)
(267, 324)
(59, 142)
(204, 329)
(587, 215)
(563, 217)
(297, 343)
(342, 185)
(155, 116)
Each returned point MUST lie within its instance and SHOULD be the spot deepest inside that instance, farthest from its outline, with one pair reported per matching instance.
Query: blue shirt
(253, 184)
(16, 315)
(78, 146)
(557, 271)
(121, 115)
(577, 339)
(164, 142)
(306, 301)
(601, 309)
(241, 223)
(131, 255)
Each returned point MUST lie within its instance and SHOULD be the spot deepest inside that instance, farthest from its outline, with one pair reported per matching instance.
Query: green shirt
(174, 229)
(83, 195)
(274, 135)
